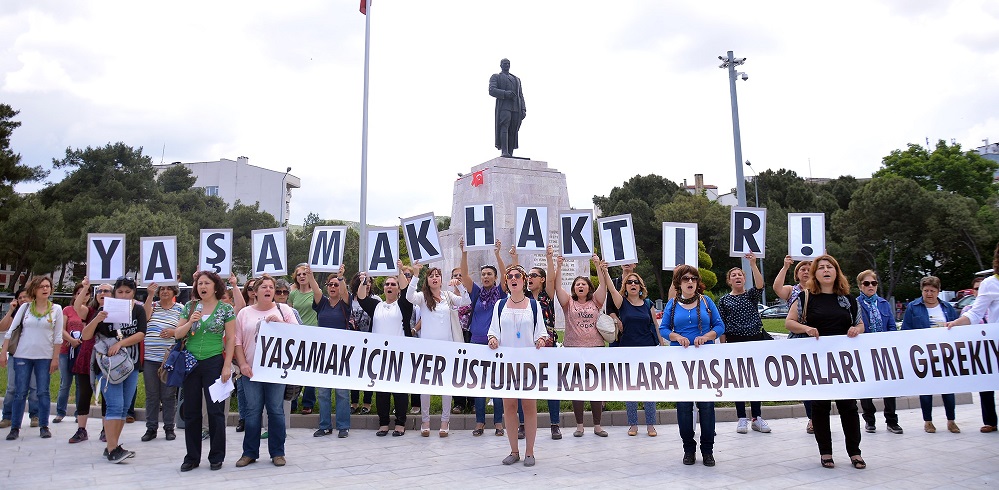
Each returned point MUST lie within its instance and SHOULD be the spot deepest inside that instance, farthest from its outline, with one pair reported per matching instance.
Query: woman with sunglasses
(581, 308)
(519, 325)
(692, 319)
(878, 316)
(332, 311)
(40, 322)
(638, 329)
(302, 297)
(539, 289)
(790, 294)
(438, 321)
(389, 317)
(209, 325)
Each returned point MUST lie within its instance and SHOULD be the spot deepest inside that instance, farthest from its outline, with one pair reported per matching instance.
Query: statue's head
(505, 64)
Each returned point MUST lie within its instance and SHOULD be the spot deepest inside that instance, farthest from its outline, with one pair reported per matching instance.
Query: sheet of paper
(219, 390)
(118, 310)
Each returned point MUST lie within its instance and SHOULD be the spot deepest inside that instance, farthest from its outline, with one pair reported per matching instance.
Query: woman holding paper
(924, 312)
(260, 394)
(209, 326)
(439, 321)
(692, 319)
(826, 308)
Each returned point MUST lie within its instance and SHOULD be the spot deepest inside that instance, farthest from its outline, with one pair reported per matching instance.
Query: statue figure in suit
(510, 108)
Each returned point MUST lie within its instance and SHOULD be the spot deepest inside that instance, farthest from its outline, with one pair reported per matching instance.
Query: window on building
(212, 190)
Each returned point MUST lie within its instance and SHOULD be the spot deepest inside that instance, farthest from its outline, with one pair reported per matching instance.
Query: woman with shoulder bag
(164, 316)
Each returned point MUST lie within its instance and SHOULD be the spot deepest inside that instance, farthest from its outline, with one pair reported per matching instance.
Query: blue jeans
(8, 397)
(685, 419)
(326, 411)
(259, 395)
(926, 403)
(480, 410)
(24, 370)
(554, 410)
(65, 382)
(650, 412)
(241, 397)
(755, 408)
(309, 397)
(118, 397)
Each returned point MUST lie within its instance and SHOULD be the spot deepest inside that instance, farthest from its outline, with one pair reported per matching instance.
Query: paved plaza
(785, 458)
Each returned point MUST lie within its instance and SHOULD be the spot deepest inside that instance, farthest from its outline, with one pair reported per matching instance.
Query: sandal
(858, 463)
(828, 463)
(306, 411)
(382, 433)
(478, 432)
(808, 428)
(425, 430)
(444, 430)
(578, 433)
(365, 410)
(500, 432)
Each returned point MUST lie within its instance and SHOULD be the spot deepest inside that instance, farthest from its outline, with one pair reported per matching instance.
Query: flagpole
(363, 249)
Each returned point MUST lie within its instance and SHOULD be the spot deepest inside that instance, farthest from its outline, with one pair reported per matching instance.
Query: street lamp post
(284, 197)
(756, 191)
(730, 62)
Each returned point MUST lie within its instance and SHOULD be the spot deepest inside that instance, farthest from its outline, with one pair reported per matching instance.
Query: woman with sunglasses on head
(826, 308)
(581, 308)
(389, 317)
(40, 323)
(164, 316)
(483, 300)
(438, 321)
(332, 311)
(637, 329)
(790, 294)
(692, 319)
(517, 323)
(209, 325)
(118, 397)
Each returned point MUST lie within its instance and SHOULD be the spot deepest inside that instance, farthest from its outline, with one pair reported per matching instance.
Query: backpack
(115, 368)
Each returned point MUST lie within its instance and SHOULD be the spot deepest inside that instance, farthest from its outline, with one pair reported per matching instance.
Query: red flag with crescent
(478, 178)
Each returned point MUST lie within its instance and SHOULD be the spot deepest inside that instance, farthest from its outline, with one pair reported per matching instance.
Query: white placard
(531, 228)
(679, 245)
(480, 226)
(748, 232)
(158, 261)
(383, 251)
(215, 251)
(118, 310)
(617, 240)
(576, 231)
(326, 248)
(421, 238)
(806, 235)
(105, 257)
(269, 251)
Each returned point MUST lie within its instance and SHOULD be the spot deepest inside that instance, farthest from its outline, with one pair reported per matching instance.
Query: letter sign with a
(270, 247)
(383, 251)
(158, 260)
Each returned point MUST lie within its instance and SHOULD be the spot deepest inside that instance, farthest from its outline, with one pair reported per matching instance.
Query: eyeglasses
(869, 283)
(103, 291)
(301, 274)
(455, 276)
(281, 292)
(387, 284)
(689, 279)
(333, 284)
(534, 275)
(514, 275)
(635, 281)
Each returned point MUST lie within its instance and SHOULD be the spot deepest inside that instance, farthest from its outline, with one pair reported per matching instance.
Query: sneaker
(689, 459)
(556, 432)
(204, 435)
(760, 425)
(870, 428)
(130, 419)
(245, 461)
(80, 436)
(14, 434)
(894, 428)
(279, 461)
(264, 435)
(241, 425)
(708, 459)
(952, 426)
(322, 432)
(103, 437)
(45, 433)
(743, 427)
(4, 423)
(929, 427)
(149, 435)
(342, 433)
(34, 421)
(118, 455)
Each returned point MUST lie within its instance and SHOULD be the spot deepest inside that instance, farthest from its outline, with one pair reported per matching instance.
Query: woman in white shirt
(439, 321)
(517, 322)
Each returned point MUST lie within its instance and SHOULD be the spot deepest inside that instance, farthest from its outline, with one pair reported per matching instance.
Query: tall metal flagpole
(362, 243)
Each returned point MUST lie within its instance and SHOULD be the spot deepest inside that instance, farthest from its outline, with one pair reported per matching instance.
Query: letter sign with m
(421, 238)
(748, 232)
(270, 248)
(105, 257)
(158, 260)
(326, 250)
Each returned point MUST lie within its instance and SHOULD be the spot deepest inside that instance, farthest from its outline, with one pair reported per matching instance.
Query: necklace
(517, 302)
(687, 301)
(48, 309)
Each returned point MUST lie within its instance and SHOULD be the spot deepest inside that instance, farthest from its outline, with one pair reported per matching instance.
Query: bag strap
(804, 308)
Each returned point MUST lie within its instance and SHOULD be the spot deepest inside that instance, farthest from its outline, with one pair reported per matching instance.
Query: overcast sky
(613, 89)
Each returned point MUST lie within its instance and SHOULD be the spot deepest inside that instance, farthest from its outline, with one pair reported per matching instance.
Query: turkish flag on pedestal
(478, 178)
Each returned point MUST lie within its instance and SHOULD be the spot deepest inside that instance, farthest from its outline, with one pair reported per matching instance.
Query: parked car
(779, 311)
(964, 301)
(760, 307)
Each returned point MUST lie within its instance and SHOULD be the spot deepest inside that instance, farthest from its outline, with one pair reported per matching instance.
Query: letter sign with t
(158, 260)
(531, 228)
(326, 250)
(270, 247)
(383, 250)
(679, 245)
(421, 238)
(480, 229)
(617, 240)
(215, 251)
(576, 230)
(748, 232)
(806, 235)
(105, 257)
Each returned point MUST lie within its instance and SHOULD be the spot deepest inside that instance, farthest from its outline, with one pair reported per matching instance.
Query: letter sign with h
(480, 227)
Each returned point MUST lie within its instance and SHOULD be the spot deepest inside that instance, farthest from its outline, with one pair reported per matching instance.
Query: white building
(238, 180)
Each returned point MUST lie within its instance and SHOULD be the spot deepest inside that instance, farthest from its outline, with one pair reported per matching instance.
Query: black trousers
(869, 410)
(198, 381)
(848, 417)
(384, 402)
(988, 399)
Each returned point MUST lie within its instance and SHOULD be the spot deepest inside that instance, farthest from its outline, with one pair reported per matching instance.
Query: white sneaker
(761, 425)
(743, 426)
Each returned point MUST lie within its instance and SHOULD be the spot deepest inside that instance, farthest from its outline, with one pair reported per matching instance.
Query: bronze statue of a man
(510, 108)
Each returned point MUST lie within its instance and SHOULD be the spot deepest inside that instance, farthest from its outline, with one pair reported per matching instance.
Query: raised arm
(403, 280)
(514, 258)
(465, 278)
(317, 292)
(551, 275)
(757, 274)
(600, 295)
(413, 294)
(80, 304)
(501, 273)
(148, 304)
(782, 290)
(563, 296)
(615, 295)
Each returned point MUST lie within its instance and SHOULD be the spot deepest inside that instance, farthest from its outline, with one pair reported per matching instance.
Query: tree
(12, 171)
(138, 221)
(176, 178)
(243, 220)
(712, 220)
(28, 231)
(300, 240)
(946, 168)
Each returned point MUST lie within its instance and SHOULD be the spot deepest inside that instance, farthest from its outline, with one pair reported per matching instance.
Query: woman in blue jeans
(332, 311)
(37, 353)
(924, 312)
(692, 319)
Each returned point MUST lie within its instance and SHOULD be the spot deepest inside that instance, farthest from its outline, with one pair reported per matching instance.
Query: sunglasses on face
(514, 275)
(635, 281)
(391, 284)
(281, 292)
(333, 284)
(689, 279)
(869, 283)
(103, 291)
(534, 275)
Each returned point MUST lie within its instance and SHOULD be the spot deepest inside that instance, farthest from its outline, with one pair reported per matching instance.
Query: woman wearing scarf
(878, 317)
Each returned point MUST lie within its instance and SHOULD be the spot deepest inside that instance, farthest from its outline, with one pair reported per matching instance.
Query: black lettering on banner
(265, 344)
(327, 243)
(617, 241)
(744, 233)
(382, 253)
(269, 255)
(573, 233)
(681, 246)
(771, 366)
(420, 241)
(884, 368)
(947, 358)
(531, 231)
(220, 255)
(485, 224)
(158, 263)
(106, 255)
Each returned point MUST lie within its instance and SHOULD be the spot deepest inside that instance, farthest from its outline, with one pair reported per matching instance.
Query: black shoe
(322, 432)
(556, 432)
(241, 425)
(103, 437)
(80, 436)
(45, 433)
(14, 434)
(149, 435)
(342, 433)
(216, 466)
(170, 434)
(188, 466)
(119, 454)
(895, 428)
(708, 459)
(869, 427)
(689, 458)
(520, 432)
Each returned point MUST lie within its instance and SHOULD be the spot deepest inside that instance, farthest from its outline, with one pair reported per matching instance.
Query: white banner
(215, 251)
(806, 235)
(912, 362)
